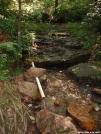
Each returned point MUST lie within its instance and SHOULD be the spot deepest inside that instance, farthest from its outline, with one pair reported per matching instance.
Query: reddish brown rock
(57, 103)
(50, 123)
(81, 114)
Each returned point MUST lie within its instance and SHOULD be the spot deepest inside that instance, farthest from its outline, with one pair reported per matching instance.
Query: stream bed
(64, 88)
(61, 88)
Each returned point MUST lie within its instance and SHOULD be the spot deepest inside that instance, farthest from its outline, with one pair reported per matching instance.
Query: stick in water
(39, 85)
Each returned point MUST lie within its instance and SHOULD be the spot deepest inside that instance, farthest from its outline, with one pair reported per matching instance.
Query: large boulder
(50, 123)
(80, 112)
(29, 89)
(59, 55)
(36, 72)
(90, 70)
(33, 72)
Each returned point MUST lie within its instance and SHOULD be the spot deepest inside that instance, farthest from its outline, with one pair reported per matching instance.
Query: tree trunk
(19, 20)
(56, 5)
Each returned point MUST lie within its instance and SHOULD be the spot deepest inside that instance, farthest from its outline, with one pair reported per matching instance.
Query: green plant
(10, 57)
(4, 71)
(12, 50)
(9, 26)
(71, 11)
(84, 36)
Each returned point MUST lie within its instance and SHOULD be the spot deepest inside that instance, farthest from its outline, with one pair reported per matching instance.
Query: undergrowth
(89, 39)
(13, 114)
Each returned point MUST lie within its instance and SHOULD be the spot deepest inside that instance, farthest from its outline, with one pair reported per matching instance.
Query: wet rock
(31, 73)
(73, 45)
(48, 122)
(59, 55)
(29, 89)
(96, 98)
(61, 110)
(59, 41)
(97, 118)
(90, 70)
(81, 114)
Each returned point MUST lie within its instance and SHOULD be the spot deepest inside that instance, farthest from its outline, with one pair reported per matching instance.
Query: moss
(91, 70)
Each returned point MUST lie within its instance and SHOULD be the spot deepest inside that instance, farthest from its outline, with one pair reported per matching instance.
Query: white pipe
(39, 85)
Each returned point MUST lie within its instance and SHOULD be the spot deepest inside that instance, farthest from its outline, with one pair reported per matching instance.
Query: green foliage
(72, 11)
(92, 20)
(84, 36)
(29, 28)
(36, 16)
(92, 23)
(10, 57)
(4, 71)
(12, 51)
(4, 6)
(9, 26)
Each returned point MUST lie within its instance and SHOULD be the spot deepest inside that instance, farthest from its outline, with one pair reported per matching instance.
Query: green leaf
(7, 46)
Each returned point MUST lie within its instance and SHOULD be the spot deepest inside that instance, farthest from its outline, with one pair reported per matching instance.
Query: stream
(54, 54)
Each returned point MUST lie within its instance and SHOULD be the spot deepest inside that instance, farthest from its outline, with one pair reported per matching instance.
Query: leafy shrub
(75, 12)
(12, 50)
(92, 23)
(36, 16)
(9, 26)
(84, 36)
(4, 71)
(10, 57)
(93, 18)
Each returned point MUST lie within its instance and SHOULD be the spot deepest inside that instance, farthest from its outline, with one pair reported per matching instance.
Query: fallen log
(39, 85)
(97, 91)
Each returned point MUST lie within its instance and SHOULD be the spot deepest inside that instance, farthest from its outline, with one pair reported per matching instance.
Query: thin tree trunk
(19, 20)
(56, 5)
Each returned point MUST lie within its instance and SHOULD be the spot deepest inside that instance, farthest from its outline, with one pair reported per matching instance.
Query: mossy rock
(90, 70)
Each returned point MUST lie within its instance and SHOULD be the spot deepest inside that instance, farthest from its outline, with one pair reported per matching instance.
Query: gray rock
(90, 70)
(57, 55)
(50, 123)
(96, 98)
